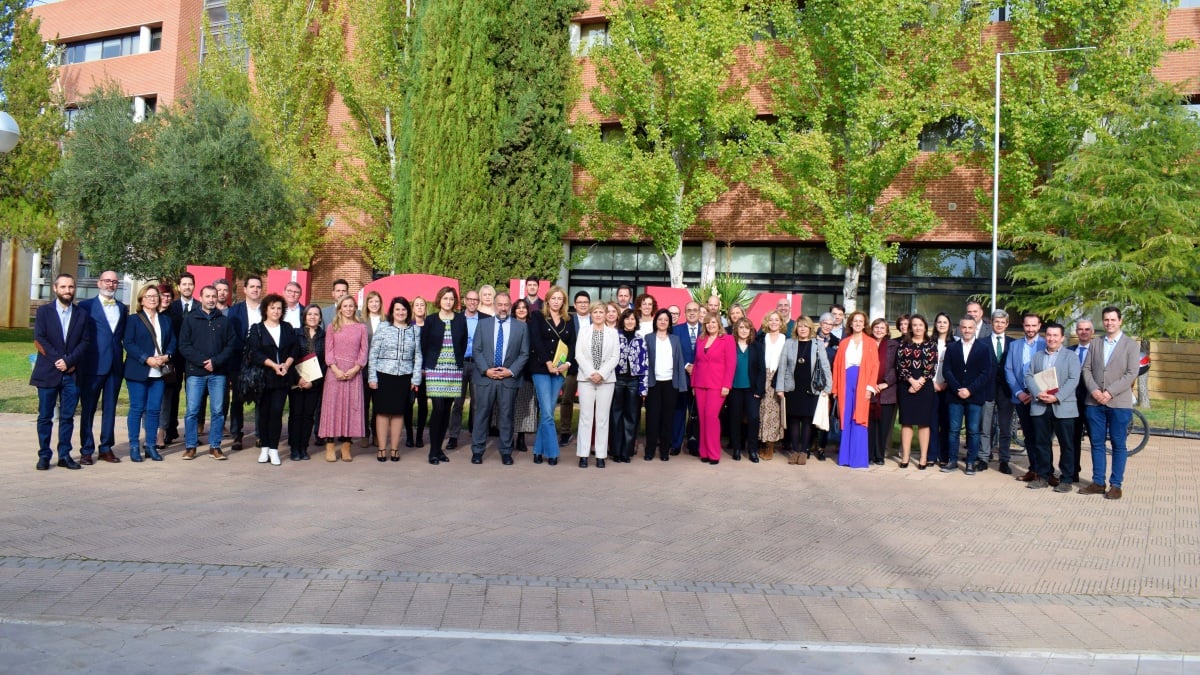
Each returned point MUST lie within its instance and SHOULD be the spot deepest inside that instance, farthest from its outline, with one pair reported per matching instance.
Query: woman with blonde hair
(149, 345)
(549, 327)
(771, 415)
(342, 402)
(487, 300)
(421, 395)
(802, 377)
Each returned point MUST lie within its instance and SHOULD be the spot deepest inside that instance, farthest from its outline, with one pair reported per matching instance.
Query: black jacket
(261, 347)
(543, 341)
(206, 336)
(431, 339)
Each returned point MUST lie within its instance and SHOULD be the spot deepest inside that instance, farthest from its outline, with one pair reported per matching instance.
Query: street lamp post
(996, 159)
(10, 133)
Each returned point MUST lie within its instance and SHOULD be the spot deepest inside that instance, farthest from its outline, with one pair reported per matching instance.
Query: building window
(72, 117)
(588, 35)
(107, 47)
(952, 133)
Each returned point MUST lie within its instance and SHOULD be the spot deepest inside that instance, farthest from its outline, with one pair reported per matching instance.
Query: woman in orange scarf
(855, 372)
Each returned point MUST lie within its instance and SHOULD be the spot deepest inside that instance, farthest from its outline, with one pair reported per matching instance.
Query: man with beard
(61, 338)
(103, 368)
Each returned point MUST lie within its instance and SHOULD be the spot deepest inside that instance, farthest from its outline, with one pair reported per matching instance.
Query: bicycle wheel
(1139, 432)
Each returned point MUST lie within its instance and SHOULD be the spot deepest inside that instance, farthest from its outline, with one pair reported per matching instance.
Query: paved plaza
(738, 566)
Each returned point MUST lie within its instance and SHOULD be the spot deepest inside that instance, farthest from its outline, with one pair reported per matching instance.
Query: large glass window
(108, 47)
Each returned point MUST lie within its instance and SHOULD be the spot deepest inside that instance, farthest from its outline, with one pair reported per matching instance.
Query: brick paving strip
(719, 587)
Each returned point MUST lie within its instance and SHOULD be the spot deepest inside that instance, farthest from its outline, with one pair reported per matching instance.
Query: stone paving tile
(767, 551)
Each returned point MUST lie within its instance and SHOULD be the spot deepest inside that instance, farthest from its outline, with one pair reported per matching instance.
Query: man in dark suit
(1001, 407)
(969, 369)
(103, 368)
(61, 337)
(1016, 365)
(501, 349)
(183, 305)
(566, 409)
(687, 332)
(1085, 330)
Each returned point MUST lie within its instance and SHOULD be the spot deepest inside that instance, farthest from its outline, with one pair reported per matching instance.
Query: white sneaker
(273, 454)
(263, 456)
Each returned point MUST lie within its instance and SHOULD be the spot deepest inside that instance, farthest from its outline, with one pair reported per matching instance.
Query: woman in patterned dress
(394, 373)
(771, 415)
(342, 404)
(443, 348)
(916, 365)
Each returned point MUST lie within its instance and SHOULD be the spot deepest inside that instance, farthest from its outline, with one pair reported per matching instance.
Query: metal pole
(996, 160)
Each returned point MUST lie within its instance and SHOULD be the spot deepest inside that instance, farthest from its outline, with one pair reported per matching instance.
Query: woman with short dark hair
(443, 353)
(393, 374)
(272, 346)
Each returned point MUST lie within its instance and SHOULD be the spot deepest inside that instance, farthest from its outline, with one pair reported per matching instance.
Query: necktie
(108, 303)
(999, 348)
(500, 345)
(692, 332)
(1082, 353)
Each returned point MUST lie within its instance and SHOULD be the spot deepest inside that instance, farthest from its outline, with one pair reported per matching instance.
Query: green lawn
(16, 396)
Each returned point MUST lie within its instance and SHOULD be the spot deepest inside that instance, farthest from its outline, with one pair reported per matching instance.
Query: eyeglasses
(108, 281)
(470, 299)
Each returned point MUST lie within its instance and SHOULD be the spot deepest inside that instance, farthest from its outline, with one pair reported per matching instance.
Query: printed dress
(445, 380)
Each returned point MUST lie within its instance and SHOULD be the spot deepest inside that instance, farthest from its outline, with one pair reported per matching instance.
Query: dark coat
(261, 347)
(106, 347)
(431, 339)
(973, 372)
(47, 332)
(544, 339)
(679, 378)
(140, 345)
(207, 336)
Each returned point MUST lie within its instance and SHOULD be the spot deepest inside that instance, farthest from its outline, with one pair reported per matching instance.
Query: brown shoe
(346, 456)
(801, 457)
(795, 458)
(86, 460)
(330, 455)
(1027, 476)
(1052, 481)
(767, 453)
(216, 453)
(190, 453)
(110, 458)
(1113, 493)
(1092, 489)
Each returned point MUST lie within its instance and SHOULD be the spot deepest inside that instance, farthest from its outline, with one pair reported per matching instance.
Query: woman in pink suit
(712, 378)
(342, 406)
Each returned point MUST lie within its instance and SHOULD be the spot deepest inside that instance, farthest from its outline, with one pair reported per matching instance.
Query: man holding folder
(1052, 379)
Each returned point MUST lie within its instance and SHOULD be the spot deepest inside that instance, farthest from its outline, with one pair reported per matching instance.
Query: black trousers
(270, 416)
(660, 417)
(879, 432)
(1063, 429)
(439, 423)
(624, 415)
(800, 430)
(742, 410)
(302, 414)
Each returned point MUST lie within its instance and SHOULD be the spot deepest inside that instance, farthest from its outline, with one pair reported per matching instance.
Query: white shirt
(111, 312)
(773, 350)
(253, 316)
(1109, 346)
(155, 372)
(292, 315)
(854, 351)
(664, 364)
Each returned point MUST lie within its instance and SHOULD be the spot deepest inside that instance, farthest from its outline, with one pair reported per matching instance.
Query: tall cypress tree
(483, 187)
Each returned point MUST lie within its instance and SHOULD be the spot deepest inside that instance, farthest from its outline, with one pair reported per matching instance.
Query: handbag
(821, 415)
(251, 378)
(819, 382)
(169, 374)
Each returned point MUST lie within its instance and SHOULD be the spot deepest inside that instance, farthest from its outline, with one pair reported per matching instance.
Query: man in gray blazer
(501, 349)
(1108, 375)
(1053, 411)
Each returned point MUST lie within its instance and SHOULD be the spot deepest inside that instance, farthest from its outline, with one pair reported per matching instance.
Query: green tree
(27, 74)
(280, 60)
(483, 180)
(372, 80)
(192, 186)
(1052, 101)
(665, 76)
(853, 91)
(1119, 224)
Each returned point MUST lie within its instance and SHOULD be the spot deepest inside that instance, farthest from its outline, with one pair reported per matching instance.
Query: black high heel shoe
(921, 467)
(381, 455)
(903, 465)
(396, 455)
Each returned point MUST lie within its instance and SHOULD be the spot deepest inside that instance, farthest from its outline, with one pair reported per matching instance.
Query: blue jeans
(546, 388)
(974, 415)
(145, 406)
(66, 395)
(1111, 424)
(197, 385)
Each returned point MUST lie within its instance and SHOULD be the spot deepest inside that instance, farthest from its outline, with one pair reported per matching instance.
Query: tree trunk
(850, 286)
(674, 261)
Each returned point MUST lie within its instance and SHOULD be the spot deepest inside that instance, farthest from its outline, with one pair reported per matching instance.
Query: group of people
(700, 374)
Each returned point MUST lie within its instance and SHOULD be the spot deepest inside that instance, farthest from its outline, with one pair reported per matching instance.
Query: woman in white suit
(597, 351)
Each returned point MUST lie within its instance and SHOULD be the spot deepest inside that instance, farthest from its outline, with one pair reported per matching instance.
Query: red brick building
(150, 46)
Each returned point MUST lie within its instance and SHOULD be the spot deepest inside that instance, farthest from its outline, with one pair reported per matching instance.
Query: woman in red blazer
(712, 378)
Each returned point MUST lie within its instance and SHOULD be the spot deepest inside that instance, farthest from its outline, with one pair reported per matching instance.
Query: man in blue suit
(969, 369)
(61, 337)
(103, 368)
(1016, 367)
(687, 332)
(497, 377)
